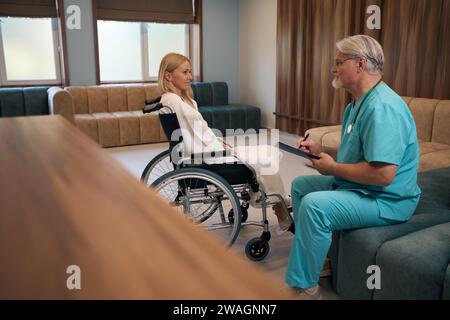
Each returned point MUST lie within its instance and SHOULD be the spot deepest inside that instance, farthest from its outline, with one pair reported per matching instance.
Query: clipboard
(297, 151)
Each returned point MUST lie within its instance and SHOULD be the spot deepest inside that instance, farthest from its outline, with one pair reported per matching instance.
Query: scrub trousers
(318, 211)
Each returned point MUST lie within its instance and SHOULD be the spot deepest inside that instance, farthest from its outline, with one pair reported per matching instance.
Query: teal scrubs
(382, 131)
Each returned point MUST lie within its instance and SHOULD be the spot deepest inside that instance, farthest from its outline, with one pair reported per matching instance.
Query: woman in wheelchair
(175, 76)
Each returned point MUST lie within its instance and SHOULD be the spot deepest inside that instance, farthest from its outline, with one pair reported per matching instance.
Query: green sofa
(16, 102)
(413, 257)
(212, 101)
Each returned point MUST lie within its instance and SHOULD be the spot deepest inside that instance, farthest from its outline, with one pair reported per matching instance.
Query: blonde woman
(175, 77)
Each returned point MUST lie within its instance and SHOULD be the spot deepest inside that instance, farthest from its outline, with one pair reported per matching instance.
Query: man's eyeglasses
(338, 63)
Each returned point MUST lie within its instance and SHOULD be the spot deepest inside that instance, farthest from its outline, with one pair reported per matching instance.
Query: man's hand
(309, 146)
(325, 165)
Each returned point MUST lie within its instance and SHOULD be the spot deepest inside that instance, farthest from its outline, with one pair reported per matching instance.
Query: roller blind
(180, 11)
(28, 8)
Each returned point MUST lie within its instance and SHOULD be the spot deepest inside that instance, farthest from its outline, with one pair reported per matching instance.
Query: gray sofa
(15, 102)
(213, 104)
(413, 257)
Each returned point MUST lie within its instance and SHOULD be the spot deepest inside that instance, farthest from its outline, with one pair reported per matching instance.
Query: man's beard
(337, 84)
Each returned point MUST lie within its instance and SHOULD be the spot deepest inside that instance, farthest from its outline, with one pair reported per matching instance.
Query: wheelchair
(216, 196)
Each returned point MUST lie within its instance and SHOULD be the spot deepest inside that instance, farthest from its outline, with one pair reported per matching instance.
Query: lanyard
(352, 124)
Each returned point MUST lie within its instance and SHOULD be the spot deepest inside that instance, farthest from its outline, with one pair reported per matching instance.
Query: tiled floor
(135, 158)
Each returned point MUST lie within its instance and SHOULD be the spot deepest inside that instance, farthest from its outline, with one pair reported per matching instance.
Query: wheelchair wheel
(203, 197)
(157, 167)
(244, 217)
(257, 249)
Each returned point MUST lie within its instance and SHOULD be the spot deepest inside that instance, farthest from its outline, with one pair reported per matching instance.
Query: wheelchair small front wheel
(257, 249)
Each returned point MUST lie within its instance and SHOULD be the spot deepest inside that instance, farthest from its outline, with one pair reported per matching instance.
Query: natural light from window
(132, 51)
(29, 49)
(162, 39)
(119, 46)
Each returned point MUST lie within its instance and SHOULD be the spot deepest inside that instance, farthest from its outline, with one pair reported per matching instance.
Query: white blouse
(197, 136)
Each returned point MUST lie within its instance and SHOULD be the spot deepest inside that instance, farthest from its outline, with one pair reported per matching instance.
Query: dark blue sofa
(212, 100)
(16, 102)
(413, 257)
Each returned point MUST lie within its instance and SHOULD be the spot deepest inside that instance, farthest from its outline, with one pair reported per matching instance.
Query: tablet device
(297, 151)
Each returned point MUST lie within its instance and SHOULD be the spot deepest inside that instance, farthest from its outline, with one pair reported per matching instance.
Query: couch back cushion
(220, 93)
(423, 111)
(441, 124)
(210, 93)
(112, 98)
(203, 94)
(23, 101)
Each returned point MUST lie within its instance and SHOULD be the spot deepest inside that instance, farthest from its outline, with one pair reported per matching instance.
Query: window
(132, 51)
(29, 51)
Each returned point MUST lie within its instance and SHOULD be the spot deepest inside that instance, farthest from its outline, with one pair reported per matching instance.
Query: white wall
(258, 26)
(221, 44)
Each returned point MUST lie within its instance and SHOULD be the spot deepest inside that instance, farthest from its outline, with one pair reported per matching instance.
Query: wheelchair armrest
(205, 156)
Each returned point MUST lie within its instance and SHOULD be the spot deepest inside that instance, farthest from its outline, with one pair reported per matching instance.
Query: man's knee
(313, 208)
(297, 186)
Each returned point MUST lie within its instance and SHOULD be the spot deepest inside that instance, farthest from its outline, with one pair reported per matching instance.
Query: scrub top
(384, 131)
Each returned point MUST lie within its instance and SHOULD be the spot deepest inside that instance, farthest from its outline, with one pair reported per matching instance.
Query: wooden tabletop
(64, 201)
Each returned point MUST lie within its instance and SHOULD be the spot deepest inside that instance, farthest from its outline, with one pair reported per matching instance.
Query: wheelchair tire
(244, 216)
(257, 249)
(157, 167)
(177, 181)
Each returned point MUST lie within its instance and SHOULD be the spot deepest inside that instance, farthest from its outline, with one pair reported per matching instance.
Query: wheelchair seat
(234, 173)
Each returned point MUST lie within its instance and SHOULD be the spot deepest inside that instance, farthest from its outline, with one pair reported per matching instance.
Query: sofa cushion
(149, 127)
(136, 97)
(108, 129)
(203, 94)
(117, 99)
(36, 101)
(331, 142)
(414, 266)
(317, 134)
(12, 102)
(80, 99)
(357, 249)
(88, 124)
(129, 127)
(434, 160)
(423, 113)
(353, 251)
(441, 127)
(429, 147)
(219, 93)
(97, 99)
(435, 191)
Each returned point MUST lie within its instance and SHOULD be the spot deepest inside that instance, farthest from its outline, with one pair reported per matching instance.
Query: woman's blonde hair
(169, 63)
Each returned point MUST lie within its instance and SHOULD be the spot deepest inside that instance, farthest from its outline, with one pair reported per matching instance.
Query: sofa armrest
(327, 137)
(60, 102)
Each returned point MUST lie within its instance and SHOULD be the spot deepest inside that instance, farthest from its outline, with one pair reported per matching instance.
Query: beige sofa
(110, 115)
(432, 119)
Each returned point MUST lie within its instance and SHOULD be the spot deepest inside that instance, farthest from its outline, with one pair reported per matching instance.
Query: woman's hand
(309, 146)
(325, 165)
(230, 149)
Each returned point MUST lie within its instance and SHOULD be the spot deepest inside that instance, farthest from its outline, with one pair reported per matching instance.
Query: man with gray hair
(374, 180)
